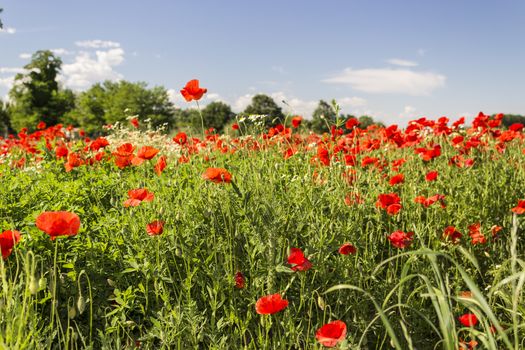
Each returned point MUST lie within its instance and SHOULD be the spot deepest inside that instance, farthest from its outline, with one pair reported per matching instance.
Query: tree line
(38, 96)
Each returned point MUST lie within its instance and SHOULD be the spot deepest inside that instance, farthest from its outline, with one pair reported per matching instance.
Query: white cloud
(177, 99)
(62, 52)
(421, 52)
(8, 30)
(409, 112)
(402, 63)
(87, 69)
(351, 102)
(97, 44)
(7, 82)
(279, 69)
(387, 80)
(214, 97)
(295, 105)
(242, 102)
(25, 56)
(11, 70)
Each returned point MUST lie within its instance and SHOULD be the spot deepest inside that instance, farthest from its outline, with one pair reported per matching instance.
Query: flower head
(58, 223)
(217, 175)
(468, 320)
(298, 261)
(270, 304)
(331, 333)
(155, 228)
(400, 239)
(347, 249)
(138, 196)
(192, 91)
(8, 239)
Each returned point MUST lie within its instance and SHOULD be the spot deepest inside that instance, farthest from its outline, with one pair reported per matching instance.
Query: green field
(226, 242)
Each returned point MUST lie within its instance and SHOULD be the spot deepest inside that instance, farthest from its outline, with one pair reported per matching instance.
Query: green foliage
(112, 102)
(509, 119)
(265, 105)
(323, 116)
(36, 95)
(365, 121)
(5, 120)
(217, 115)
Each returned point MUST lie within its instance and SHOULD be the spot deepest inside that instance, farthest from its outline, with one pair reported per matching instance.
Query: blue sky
(395, 60)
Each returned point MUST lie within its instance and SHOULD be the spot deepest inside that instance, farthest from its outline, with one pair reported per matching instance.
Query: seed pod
(71, 312)
(33, 285)
(42, 283)
(81, 304)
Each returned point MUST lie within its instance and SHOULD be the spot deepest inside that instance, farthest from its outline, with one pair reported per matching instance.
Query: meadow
(266, 238)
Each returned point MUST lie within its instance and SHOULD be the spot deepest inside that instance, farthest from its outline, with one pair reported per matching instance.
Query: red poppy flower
(347, 249)
(427, 202)
(61, 152)
(296, 121)
(476, 235)
(520, 208)
(161, 165)
(181, 138)
(270, 304)
(400, 239)
(397, 179)
(125, 150)
(470, 345)
(239, 280)
(289, 152)
(145, 153)
(192, 91)
(235, 126)
(138, 196)
(431, 176)
(298, 260)
(351, 123)
(135, 123)
(98, 144)
(73, 160)
(452, 233)
(155, 228)
(331, 333)
(8, 239)
(390, 202)
(468, 320)
(41, 126)
(217, 175)
(494, 230)
(58, 223)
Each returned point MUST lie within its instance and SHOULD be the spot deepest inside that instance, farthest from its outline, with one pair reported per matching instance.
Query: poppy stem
(202, 120)
(55, 281)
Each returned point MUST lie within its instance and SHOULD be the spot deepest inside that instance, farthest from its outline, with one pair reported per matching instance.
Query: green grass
(112, 286)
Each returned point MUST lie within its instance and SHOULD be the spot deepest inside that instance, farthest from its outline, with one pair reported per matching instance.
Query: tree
(264, 104)
(365, 121)
(5, 121)
(217, 115)
(1, 24)
(112, 102)
(509, 119)
(36, 95)
(323, 116)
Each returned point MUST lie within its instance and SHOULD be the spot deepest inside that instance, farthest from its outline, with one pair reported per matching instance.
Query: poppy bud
(33, 285)
(71, 312)
(81, 304)
(42, 283)
(239, 280)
